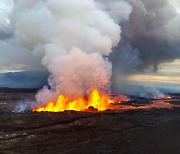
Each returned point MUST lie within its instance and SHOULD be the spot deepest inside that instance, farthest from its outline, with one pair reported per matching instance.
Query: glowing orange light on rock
(96, 100)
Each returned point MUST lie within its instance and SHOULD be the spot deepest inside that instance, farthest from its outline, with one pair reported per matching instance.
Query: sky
(15, 58)
(167, 77)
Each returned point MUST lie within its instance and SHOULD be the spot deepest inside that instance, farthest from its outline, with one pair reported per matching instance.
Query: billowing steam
(72, 37)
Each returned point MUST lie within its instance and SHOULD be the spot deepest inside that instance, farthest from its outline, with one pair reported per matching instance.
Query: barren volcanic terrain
(154, 130)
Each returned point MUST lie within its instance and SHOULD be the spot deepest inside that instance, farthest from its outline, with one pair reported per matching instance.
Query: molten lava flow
(95, 100)
(168, 97)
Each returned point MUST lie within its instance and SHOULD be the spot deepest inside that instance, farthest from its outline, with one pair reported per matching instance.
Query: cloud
(153, 30)
(148, 32)
(152, 34)
(72, 38)
(6, 7)
(15, 58)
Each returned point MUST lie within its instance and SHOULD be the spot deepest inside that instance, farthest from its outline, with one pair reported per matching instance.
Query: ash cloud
(152, 30)
(149, 38)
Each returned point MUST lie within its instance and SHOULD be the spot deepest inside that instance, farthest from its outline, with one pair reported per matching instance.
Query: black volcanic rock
(118, 132)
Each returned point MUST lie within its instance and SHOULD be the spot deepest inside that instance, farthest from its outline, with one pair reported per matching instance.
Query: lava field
(151, 130)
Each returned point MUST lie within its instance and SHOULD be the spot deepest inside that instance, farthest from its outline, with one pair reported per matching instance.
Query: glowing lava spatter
(95, 100)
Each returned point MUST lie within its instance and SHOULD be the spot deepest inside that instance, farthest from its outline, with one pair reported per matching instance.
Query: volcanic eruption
(98, 101)
(91, 55)
(73, 39)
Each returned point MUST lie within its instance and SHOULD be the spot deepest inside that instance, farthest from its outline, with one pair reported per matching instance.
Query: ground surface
(135, 131)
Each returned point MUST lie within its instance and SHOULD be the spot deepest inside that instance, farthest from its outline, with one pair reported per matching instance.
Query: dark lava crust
(135, 131)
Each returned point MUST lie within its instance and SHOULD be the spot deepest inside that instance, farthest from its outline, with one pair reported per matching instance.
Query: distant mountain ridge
(25, 79)
(35, 80)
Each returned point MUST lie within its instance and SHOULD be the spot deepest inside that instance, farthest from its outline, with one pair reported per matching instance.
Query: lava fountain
(96, 100)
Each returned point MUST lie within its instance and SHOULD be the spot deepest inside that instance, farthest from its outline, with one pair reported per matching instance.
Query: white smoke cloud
(64, 33)
(77, 73)
(176, 4)
(72, 37)
(119, 10)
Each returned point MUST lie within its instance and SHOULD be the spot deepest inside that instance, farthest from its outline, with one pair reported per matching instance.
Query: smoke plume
(72, 38)
(149, 38)
(89, 43)
(153, 31)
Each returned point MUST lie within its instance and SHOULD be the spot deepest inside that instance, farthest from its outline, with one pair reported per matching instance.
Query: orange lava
(168, 97)
(95, 100)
